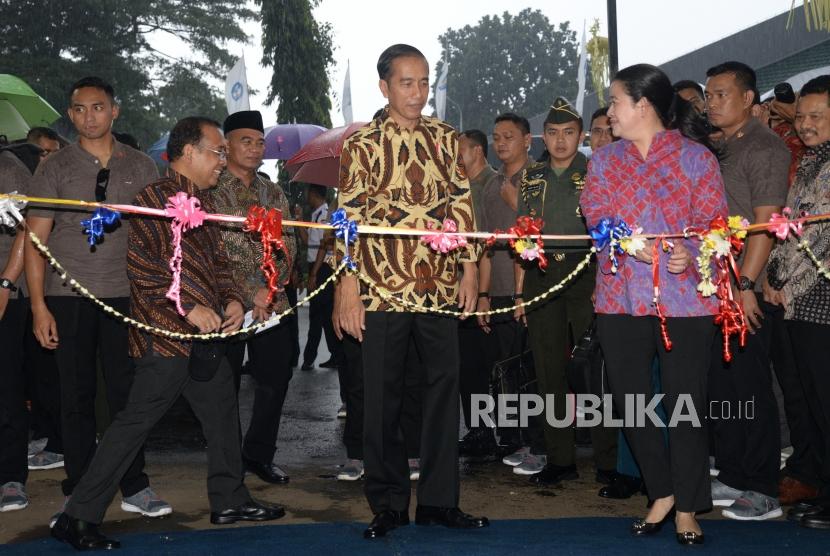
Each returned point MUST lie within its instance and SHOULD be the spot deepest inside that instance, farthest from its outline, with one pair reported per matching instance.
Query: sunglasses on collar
(101, 183)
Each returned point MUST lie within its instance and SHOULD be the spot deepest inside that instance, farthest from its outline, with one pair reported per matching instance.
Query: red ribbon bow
(268, 223)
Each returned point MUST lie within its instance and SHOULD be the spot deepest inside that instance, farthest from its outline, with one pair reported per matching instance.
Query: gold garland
(391, 298)
(804, 245)
(161, 331)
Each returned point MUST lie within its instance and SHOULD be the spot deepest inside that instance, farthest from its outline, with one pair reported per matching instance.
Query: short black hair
(744, 75)
(319, 190)
(37, 133)
(688, 84)
(817, 86)
(95, 83)
(477, 136)
(187, 131)
(391, 54)
(599, 113)
(520, 121)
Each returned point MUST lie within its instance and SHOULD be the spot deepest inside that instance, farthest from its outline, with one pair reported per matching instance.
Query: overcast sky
(650, 31)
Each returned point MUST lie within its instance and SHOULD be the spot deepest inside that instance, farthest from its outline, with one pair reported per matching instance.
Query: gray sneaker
(36, 446)
(723, 495)
(414, 469)
(13, 497)
(753, 506)
(45, 460)
(352, 470)
(147, 503)
(517, 457)
(531, 465)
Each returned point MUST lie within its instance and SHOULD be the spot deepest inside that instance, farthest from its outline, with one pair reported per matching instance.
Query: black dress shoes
(622, 487)
(448, 517)
(605, 476)
(641, 527)
(81, 534)
(384, 522)
(268, 472)
(817, 519)
(554, 474)
(249, 511)
(802, 509)
(689, 538)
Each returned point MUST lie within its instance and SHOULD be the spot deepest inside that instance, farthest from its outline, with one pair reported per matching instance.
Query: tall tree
(517, 63)
(300, 50)
(52, 43)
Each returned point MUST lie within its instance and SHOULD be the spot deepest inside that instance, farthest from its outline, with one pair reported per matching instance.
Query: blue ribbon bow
(346, 230)
(103, 219)
(609, 232)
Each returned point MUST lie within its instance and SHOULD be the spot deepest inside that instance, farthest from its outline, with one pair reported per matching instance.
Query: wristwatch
(745, 284)
(7, 284)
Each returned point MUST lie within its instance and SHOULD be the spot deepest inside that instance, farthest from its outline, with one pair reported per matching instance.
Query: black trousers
(747, 450)
(269, 363)
(159, 381)
(44, 388)
(811, 343)
(319, 321)
(352, 385)
(630, 343)
(804, 464)
(14, 418)
(293, 325)
(385, 342)
(89, 337)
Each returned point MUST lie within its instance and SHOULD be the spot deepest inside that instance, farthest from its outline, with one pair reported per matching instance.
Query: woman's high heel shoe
(642, 527)
(689, 538)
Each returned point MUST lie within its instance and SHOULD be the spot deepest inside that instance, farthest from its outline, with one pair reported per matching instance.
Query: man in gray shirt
(755, 163)
(97, 168)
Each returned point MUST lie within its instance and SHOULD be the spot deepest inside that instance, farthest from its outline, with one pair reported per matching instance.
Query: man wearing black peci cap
(239, 188)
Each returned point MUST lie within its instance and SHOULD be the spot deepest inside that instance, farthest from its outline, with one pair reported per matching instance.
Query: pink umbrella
(318, 161)
(282, 141)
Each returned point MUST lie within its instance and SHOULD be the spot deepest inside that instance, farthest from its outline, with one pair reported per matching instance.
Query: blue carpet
(545, 536)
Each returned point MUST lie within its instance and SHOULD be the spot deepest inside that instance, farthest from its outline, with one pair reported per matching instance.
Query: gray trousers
(158, 383)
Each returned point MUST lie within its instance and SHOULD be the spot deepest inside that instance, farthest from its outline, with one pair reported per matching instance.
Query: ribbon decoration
(103, 219)
(610, 232)
(444, 241)
(730, 317)
(187, 213)
(268, 223)
(525, 230)
(655, 276)
(10, 209)
(780, 224)
(346, 230)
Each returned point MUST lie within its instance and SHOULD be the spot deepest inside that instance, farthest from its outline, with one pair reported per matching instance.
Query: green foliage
(513, 63)
(300, 51)
(52, 43)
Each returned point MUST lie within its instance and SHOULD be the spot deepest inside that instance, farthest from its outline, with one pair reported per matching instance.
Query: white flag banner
(347, 98)
(236, 88)
(581, 71)
(441, 93)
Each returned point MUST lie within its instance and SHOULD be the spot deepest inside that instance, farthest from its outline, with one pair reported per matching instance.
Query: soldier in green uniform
(550, 190)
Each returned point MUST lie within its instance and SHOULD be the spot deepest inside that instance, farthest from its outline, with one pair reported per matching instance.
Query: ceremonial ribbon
(525, 230)
(346, 230)
(103, 219)
(730, 317)
(445, 240)
(609, 232)
(268, 223)
(186, 213)
(781, 225)
(10, 209)
(655, 276)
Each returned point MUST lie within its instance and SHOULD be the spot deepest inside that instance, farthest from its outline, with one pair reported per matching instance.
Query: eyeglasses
(600, 131)
(101, 183)
(223, 155)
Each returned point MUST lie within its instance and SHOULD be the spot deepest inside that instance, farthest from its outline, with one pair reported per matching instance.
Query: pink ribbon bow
(441, 241)
(187, 213)
(781, 224)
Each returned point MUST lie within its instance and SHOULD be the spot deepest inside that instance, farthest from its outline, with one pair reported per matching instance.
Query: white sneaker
(36, 446)
(56, 515)
(517, 457)
(531, 465)
(724, 495)
(414, 469)
(147, 503)
(341, 413)
(352, 470)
